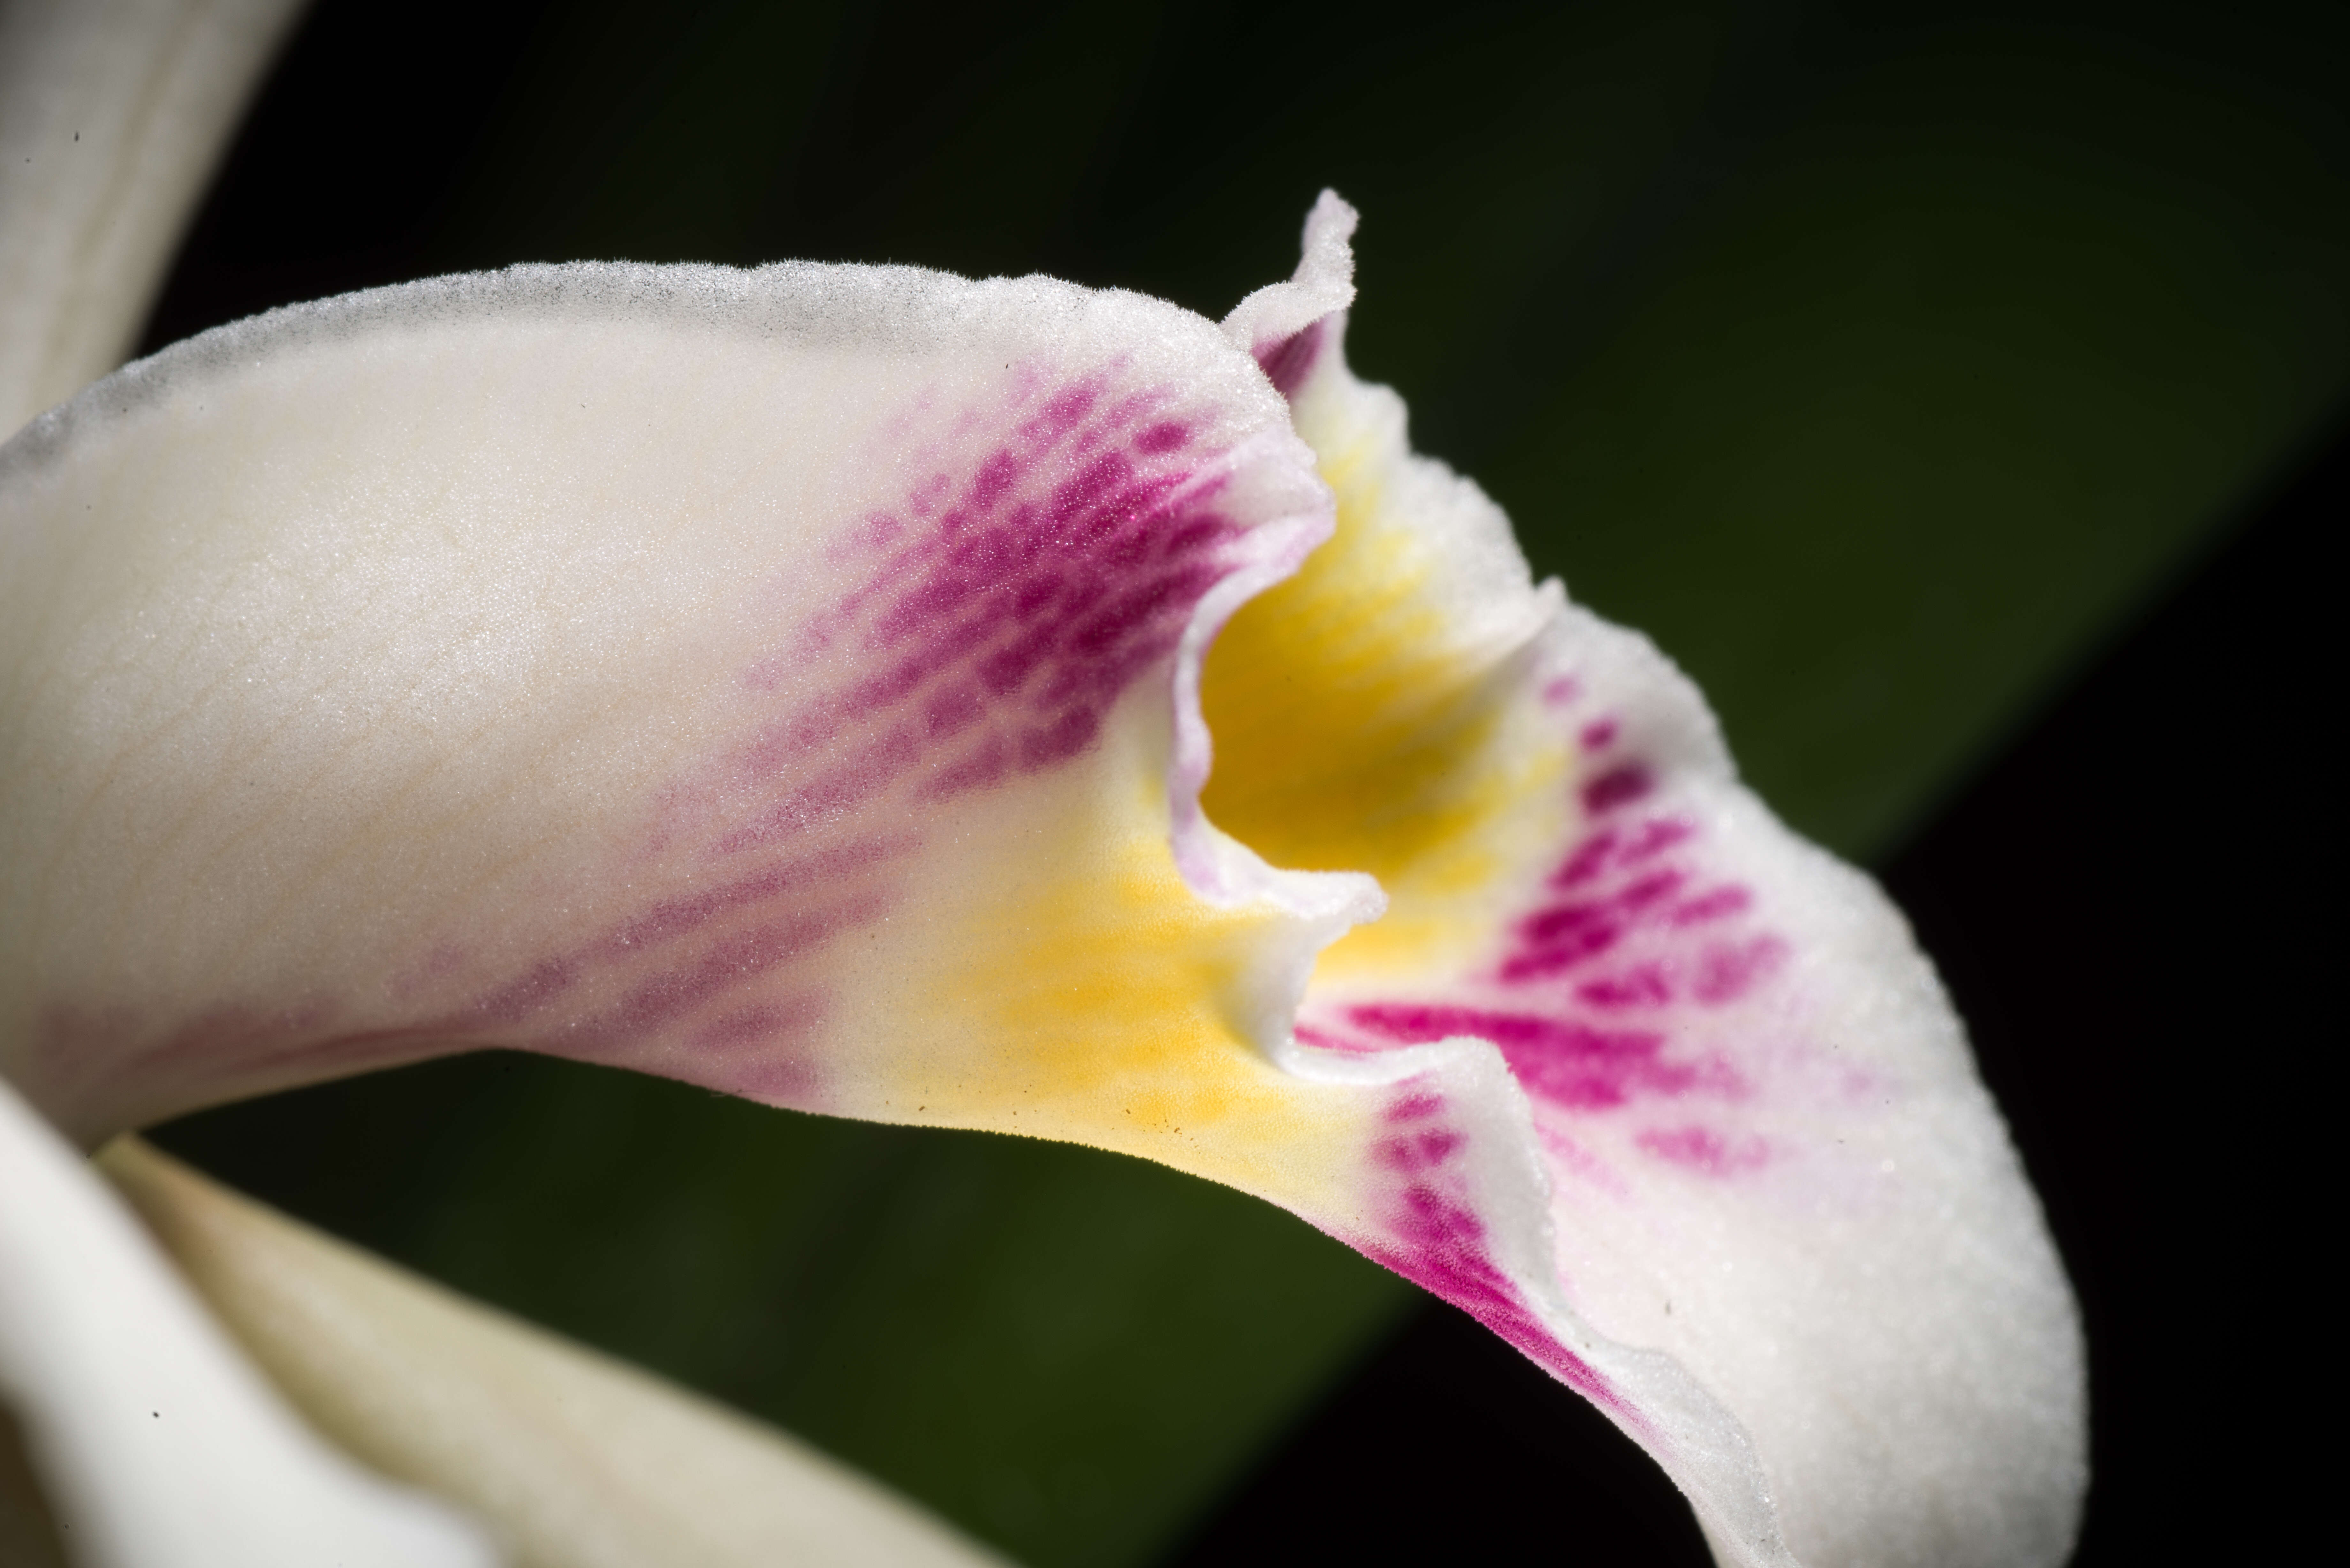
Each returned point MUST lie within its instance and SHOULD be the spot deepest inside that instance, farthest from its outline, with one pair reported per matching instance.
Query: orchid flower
(997, 705)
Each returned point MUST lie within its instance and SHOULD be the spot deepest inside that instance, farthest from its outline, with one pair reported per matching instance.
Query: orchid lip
(1005, 706)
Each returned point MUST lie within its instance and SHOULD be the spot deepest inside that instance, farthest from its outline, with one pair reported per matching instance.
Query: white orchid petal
(572, 1459)
(112, 113)
(158, 1445)
(1678, 1108)
(669, 667)
(798, 682)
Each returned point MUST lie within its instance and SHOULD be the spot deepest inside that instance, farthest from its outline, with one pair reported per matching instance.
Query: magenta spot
(776, 1081)
(1563, 920)
(1442, 1251)
(1059, 741)
(1099, 482)
(518, 999)
(953, 711)
(1187, 538)
(1006, 670)
(767, 1024)
(831, 794)
(786, 742)
(1725, 973)
(1567, 940)
(1561, 689)
(1416, 1106)
(1644, 985)
(1559, 1059)
(1649, 890)
(986, 765)
(1033, 596)
(1061, 414)
(1589, 860)
(1428, 1216)
(994, 481)
(1151, 606)
(1703, 1150)
(1618, 786)
(1288, 363)
(929, 496)
(1412, 1154)
(670, 918)
(1658, 835)
(1564, 936)
(1598, 734)
(890, 686)
(1609, 848)
(1167, 435)
(1719, 904)
(723, 965)
(878, 532)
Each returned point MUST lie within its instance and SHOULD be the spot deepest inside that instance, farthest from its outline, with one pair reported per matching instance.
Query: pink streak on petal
(991, 617)
(1704, 1151)
(1618, 787)
(1431, 1235)
(1288, 363)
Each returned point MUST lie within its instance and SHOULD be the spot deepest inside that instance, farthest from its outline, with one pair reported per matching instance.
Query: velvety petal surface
(763, 678)
(157, 1443)
(1675, 1104)
(799, 683)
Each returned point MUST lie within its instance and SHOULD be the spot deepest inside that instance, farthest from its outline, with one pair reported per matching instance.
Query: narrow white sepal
(158, 1444)
(573, 1459)
(112, 113)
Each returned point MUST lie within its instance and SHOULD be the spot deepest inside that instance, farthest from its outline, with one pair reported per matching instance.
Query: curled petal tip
(1269, 322)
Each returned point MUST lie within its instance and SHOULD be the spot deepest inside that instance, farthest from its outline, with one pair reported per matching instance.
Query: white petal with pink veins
(1679, 1108)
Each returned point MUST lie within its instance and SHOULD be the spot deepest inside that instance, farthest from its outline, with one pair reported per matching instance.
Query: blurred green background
(1880, 361)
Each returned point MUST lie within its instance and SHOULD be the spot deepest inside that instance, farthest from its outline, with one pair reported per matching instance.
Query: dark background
(1954, 389)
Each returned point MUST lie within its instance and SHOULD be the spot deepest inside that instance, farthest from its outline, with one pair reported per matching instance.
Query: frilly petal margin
(159, 1443)
(1672, 1101)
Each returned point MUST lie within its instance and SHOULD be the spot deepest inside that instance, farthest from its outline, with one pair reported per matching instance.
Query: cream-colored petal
(570, 1458)
(158, 1444)
(112, 113)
